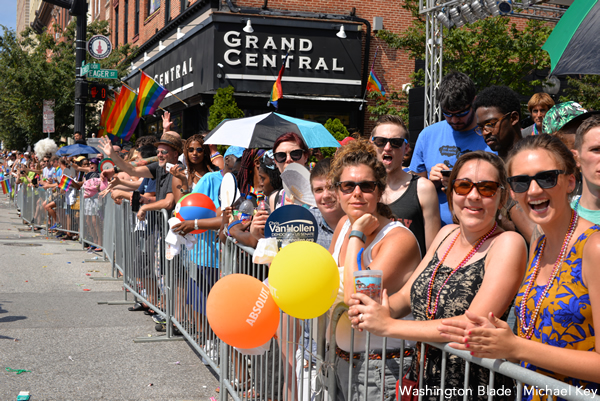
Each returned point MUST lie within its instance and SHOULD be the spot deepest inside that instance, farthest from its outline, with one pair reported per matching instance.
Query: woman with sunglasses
(559, 300)
(360, 180)
(466, 268)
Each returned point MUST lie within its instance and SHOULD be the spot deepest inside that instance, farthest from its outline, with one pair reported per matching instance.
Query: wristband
(358, 234)
(215, 155)
(195, 224)
(116, 170)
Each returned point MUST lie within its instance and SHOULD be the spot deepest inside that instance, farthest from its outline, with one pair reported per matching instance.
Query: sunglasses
(198, 150)
(464, 186)
(162, 152)
(490, 126)
(457, 115)
(396, 143)
(281, 157)
(347, 187)
(545, 179)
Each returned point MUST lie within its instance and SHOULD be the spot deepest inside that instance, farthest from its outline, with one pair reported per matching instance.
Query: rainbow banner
(150, 94)
(65, 182)
(277, 92)
(124, 118)
(374, 85)
(5, 186)
(109, 105)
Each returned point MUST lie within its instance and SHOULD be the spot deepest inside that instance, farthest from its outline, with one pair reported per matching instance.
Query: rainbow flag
(150, 94)
(5, 186)
(373, 84)
(65, 182)
(124, 118)
(109, 105)
(277, 92)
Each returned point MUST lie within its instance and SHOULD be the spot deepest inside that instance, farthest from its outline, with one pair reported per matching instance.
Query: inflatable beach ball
(195, 206)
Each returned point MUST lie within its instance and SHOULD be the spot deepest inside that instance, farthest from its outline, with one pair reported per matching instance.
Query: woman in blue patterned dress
(560, 297)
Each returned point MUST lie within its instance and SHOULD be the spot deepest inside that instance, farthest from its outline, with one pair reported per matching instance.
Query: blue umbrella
(263, 130)
(76, 149)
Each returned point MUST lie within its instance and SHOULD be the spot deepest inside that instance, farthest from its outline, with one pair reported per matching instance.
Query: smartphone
(135, 201)
(446, 173)
(169, 166)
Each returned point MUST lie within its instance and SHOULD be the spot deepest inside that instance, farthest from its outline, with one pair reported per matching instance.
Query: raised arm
(139, 171)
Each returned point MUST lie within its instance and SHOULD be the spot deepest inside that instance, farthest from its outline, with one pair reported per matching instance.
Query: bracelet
(358, 234)
(215, 155)
(116, 170)
(195, 224)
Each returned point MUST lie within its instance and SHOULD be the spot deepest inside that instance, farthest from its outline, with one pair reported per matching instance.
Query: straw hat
(172, 139)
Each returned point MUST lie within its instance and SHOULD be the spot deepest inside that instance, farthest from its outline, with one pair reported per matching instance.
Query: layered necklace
(526, 331)
(432, 309)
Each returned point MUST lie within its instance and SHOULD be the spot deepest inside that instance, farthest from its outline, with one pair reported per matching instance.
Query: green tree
(584, 90)
(36, 67)
(224, 107)
(394, 103)
(339, 132)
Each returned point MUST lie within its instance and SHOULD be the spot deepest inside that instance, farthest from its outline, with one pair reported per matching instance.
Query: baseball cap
(237, 151)
(561, 114)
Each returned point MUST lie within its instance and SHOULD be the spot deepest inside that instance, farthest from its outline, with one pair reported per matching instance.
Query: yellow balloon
(304, 280)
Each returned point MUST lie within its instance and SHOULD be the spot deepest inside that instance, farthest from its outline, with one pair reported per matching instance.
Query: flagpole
(372, 65)
(133, 90)
(172, 94)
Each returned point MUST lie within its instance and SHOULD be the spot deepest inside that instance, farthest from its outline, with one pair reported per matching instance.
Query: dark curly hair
(501, 97)
(205, 156)
(359, 152)
(457, 91)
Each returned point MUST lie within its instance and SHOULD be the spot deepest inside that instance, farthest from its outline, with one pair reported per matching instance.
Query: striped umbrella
(574, 45)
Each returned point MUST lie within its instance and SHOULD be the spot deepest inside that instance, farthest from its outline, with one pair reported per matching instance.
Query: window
(153, 6)
(116, 26)
(167, 11)
(136, 22)
(126, 21)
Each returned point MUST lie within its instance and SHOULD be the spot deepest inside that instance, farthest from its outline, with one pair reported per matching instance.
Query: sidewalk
(75, 348)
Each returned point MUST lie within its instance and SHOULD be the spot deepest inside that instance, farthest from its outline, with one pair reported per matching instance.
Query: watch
(358, 234)
(195, 224)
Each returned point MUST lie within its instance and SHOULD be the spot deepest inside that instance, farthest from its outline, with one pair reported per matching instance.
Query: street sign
(48, 114)
(104, 74)
(99, 47)
(88, 67)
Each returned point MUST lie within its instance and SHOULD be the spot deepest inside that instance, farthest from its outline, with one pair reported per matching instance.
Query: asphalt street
(72, 346)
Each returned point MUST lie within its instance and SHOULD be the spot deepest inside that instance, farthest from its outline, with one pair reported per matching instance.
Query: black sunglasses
(545, 179)
(458, 115)
(464, 186)
(347, 187)
(198, 150)
(380, 141)
(281, 157)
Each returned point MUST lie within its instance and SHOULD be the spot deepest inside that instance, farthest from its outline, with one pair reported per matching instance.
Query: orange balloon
(241, 311)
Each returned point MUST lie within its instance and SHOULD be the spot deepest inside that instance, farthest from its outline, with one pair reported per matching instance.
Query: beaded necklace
(431, 311)
(527, 331)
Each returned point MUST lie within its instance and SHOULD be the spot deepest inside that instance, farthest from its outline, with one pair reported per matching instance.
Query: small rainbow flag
(124, 118)
(373, 84)
(65, 182)
(5, 186)
(150, 94)
(277, 92)
(107, 109)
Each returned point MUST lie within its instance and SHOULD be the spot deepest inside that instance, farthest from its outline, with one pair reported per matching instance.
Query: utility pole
(78, 8)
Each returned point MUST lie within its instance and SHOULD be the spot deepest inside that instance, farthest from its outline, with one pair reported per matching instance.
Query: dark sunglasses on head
(380, 141)
(347, 187)
(281, 157)
(458, 115)
(198, 150)
(464, 186)
(545, 179)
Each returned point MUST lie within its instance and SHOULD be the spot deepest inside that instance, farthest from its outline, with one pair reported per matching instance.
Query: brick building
(195, 47)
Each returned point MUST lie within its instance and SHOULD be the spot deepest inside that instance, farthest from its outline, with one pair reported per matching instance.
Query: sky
(8, 15)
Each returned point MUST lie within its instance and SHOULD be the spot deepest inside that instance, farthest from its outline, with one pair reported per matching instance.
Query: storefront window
(153, 6)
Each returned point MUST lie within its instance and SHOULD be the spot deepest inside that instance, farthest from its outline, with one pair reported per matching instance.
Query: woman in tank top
(559, 300)
(360, 179)
(466, 268)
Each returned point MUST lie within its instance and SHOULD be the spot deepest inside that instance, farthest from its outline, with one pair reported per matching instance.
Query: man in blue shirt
(441, 144)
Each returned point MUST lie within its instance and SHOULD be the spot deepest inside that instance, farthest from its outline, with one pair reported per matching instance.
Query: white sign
(99, 47)
(48, 112)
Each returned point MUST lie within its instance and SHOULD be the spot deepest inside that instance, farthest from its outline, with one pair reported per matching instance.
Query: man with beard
(498, 113)
(441, 144)
(412, 199)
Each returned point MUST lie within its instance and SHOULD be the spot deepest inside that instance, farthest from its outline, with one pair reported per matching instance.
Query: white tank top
(342, 332)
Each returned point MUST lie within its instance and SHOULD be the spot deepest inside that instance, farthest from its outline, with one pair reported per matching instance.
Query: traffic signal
(97, 92)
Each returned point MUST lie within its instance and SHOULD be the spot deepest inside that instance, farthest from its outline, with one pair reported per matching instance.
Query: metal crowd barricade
(68, 210)
(39, 214)
(145, 272)
(290, 367)
(514, 371)
(91, 229)
(27, 210)
(109, 230)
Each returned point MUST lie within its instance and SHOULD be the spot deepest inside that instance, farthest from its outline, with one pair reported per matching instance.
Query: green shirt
(588, 214)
